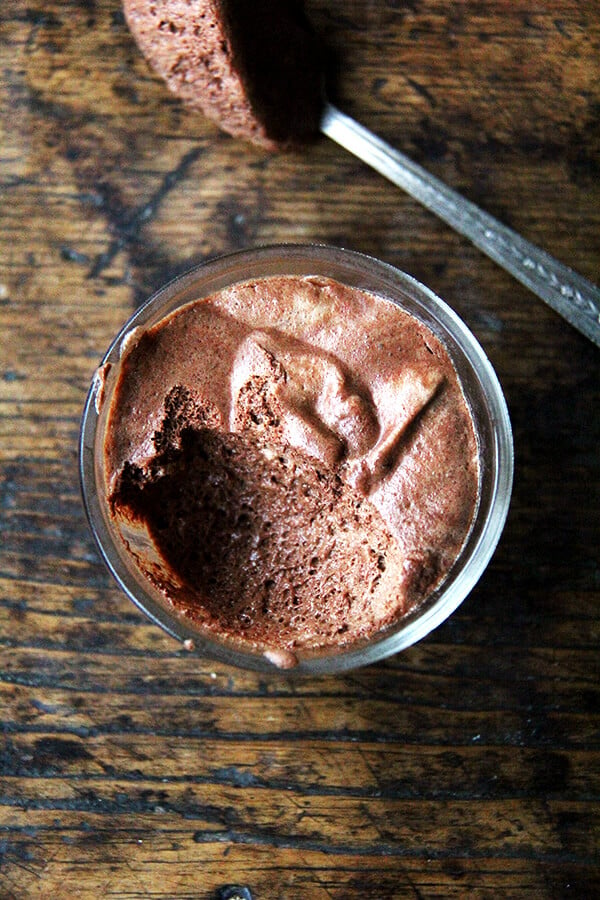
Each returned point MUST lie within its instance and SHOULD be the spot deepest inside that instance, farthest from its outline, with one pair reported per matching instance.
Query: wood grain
(469, 765)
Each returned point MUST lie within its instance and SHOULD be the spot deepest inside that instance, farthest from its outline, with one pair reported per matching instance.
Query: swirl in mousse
(302, 458)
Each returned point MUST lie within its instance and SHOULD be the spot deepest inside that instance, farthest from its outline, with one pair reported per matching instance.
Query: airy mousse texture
(302, 457)
(254, 68)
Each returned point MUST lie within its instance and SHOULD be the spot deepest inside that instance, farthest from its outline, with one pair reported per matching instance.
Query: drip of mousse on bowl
(288, 461)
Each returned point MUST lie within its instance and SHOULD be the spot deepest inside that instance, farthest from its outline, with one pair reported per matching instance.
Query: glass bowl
(481, 389)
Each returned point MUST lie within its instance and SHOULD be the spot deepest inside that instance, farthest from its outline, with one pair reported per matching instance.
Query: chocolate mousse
(302, 458)
(252, 67)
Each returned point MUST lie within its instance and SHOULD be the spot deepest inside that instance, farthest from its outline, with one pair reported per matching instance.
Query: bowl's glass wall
(481, 389)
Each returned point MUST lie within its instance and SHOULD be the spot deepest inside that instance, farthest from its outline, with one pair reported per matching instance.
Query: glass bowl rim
(445, 599)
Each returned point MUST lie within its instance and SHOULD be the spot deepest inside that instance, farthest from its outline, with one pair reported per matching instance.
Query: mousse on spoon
(256, 70)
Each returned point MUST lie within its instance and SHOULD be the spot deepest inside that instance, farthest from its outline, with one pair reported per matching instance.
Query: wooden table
(468, 765)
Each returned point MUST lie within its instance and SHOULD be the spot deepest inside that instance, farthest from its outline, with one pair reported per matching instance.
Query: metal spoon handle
(567, 292)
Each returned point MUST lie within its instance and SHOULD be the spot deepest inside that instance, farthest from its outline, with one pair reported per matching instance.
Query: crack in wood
(129, 229)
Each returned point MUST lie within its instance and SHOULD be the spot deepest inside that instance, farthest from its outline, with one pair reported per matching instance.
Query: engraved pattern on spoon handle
(568, 293)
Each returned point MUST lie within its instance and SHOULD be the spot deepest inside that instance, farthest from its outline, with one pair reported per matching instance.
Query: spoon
(190, 46)
(568, 293)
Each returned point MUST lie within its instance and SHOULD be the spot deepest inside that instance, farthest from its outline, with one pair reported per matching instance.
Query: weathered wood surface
(468, 765)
